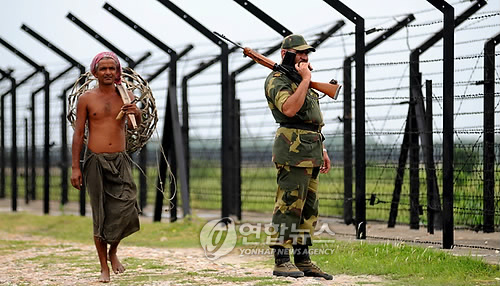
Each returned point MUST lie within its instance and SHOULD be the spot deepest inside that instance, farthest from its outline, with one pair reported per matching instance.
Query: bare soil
(53, 262)
(46, 261)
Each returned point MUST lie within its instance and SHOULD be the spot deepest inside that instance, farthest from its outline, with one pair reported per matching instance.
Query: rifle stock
(332, 90)
(258, 58)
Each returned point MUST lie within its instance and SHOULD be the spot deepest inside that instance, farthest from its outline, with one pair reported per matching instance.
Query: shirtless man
(107, 167)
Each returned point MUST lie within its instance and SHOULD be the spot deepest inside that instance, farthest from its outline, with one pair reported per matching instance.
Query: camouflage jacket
(294, 147)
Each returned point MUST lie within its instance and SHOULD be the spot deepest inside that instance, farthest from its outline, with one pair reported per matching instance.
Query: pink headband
(99, 57)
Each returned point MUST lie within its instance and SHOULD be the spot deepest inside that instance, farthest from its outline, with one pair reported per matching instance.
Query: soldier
(299, 156)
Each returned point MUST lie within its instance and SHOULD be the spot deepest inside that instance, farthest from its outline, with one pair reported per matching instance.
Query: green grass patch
(72, 260)
(181, 234)
(67, 227)
(79, 229)
(406, 264)
(17, 244)
(134, 263)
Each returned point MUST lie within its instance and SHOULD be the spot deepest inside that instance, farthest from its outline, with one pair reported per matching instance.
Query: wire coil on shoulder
(143, 96)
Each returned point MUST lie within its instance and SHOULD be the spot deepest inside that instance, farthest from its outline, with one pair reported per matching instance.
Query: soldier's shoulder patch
(277, 74)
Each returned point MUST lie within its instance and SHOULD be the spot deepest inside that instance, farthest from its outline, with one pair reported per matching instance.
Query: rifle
(331, 89)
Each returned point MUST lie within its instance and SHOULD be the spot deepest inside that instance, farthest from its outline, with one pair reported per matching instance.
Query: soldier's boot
(304, 264)
(283, 266)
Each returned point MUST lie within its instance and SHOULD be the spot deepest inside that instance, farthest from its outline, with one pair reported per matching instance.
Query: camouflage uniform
(298, 155)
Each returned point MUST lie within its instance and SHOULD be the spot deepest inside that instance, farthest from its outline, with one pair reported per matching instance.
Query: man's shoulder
(274, 74)
(277, 76)
(93, 93)
(90, 92)
(88, 96)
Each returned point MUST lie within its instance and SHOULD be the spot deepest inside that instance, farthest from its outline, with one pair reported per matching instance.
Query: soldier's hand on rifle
(303, 68)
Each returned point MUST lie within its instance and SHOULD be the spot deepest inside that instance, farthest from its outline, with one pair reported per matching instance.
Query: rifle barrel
(225, 38)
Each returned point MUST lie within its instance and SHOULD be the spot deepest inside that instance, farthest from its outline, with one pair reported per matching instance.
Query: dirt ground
(31, 266)
(53, 262)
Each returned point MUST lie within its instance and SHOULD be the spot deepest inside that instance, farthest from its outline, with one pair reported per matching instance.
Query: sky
(48, 18)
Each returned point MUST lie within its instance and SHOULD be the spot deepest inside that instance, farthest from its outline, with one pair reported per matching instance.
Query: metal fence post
(64, 156)
(347, 71)
(46, 89)
(489, 135)
(416, 101)
(13, 151)
(433, 202)
(227, 107)
(360, 158)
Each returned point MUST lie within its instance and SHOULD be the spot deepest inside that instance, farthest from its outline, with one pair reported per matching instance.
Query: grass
(134, 263)
(406, 264)
(396, 264)
(150, 235)
(72, 260)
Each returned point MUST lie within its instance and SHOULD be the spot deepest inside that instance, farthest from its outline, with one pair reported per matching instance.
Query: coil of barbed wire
(143, 97)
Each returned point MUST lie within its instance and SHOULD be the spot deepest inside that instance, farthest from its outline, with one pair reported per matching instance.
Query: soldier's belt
(303, 126)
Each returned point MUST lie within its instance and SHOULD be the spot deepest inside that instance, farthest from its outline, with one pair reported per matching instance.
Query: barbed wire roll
(143, 97)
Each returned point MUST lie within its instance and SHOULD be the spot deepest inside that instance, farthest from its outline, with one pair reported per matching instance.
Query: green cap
(296, 42)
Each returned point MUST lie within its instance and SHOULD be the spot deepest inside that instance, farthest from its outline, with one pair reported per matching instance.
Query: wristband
(324, 149)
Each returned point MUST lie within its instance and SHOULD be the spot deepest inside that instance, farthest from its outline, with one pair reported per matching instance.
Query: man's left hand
(326, 163)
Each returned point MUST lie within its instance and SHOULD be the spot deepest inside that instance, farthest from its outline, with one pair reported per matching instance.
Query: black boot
(300, 253)
(282, 264)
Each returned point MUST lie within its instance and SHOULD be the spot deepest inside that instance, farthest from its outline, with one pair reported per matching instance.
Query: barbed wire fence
(387, 99)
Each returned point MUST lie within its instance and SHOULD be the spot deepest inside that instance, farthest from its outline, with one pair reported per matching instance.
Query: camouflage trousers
(296, 206)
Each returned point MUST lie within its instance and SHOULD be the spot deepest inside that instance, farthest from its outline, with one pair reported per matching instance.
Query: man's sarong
(113, 195)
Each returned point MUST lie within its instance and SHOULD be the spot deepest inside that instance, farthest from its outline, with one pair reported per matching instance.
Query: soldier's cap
(296, 42)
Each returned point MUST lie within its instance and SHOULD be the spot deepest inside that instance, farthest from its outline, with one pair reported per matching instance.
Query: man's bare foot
(104, 276)
(116, 265)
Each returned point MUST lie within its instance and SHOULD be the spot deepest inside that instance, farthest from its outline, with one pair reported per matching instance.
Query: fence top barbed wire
(210, 88)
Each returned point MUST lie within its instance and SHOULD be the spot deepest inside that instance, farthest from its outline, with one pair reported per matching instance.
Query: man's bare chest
(104, 108)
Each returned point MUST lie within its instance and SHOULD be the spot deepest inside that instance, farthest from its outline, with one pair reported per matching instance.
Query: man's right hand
(303, 68)
(76, 178)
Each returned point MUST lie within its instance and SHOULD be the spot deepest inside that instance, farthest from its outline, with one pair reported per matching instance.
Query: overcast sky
(48, 18)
